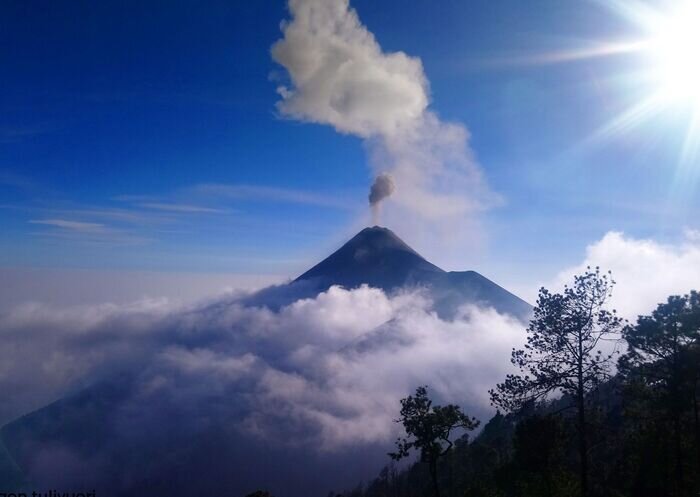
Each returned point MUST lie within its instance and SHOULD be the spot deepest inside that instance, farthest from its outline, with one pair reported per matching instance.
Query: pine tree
(563, 352)
(429, 428)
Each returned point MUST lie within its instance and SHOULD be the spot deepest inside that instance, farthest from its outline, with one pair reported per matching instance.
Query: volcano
(377, 257)
(135, 432)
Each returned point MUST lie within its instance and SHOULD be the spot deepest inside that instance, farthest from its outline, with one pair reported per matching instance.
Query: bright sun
(666, 84)
(675, 50)
(669, 43)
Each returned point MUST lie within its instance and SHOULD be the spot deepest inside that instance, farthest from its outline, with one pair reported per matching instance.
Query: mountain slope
(376, 257)
(379, 258)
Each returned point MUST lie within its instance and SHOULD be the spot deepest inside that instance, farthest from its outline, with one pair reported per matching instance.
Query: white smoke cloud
(646, 271)
(327, 371)
(340, 76)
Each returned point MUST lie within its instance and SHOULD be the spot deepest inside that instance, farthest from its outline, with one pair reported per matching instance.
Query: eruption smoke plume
(339, 75)
(382, 188)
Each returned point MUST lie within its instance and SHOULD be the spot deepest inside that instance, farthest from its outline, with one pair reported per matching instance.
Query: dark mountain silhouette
(376, 257)
(380, 259)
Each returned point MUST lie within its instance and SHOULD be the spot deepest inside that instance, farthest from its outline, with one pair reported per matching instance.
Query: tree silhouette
(562, 352)
(539, 452)
(429, 429)
(663, 361)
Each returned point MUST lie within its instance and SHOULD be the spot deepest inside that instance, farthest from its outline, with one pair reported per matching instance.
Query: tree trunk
(678, 453)
(434, 477)
(582, 442)
(696, 416)
(676, 412)
(451, 476)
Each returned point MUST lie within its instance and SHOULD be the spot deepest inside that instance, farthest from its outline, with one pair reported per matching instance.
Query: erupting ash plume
(382, 188)
(338, 74)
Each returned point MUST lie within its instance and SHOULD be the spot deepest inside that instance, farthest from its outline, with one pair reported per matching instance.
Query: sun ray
(667, 78)
(630, 118)
(593, 50)
(687, 173)
(639, 13)
(668, 42)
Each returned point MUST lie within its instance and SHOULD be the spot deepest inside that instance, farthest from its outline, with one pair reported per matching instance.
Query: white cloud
(71, 225)
(646, 271)
(181, 208)
(85, 232)
(352, 394)
(341, 77)
(327, 371)
(48, 352)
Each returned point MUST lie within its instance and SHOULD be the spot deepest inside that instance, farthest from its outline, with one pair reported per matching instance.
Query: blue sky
(144, 136)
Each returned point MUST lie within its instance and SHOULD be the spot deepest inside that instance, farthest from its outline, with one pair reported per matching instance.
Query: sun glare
(669, 43)
(675, 49)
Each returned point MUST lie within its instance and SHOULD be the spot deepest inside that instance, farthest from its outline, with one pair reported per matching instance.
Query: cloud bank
(340, 76)
(298, 398)
(326, 371)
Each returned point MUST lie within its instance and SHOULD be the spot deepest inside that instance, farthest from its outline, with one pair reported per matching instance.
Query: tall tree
(693, 322)
(563, 352)
(662, 356)
(429, 429)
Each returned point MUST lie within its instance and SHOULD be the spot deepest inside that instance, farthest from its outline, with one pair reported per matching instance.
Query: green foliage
(662, 349)
(429, 429)
(662, 378)
(563, 353)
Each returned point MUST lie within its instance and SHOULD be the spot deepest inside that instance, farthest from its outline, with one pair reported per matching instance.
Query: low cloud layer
(326, 371)
(336, 364)
(340, 76)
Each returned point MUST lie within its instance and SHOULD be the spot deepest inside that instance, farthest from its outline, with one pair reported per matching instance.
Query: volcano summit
(380, 259)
